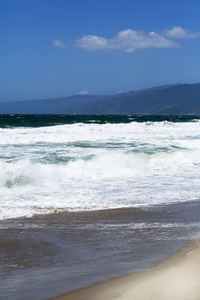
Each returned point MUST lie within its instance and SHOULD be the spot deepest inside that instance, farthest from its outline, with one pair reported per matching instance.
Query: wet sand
(49, 255)
(177, 278)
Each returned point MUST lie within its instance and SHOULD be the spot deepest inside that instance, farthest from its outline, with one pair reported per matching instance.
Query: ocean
(87, 198)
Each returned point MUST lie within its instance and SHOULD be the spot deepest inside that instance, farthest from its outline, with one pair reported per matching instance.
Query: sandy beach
(177, 278)
(111, 254)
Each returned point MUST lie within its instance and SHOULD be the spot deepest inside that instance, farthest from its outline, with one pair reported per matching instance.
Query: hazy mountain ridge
(168, 99)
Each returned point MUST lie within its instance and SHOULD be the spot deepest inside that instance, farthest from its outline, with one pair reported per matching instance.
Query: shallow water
(87, 198)
(47, 255)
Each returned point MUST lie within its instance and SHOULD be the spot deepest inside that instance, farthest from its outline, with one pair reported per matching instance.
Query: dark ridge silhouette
(179, 99)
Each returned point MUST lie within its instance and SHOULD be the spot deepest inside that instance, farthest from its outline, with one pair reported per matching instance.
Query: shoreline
(65, 253)
(176, 278)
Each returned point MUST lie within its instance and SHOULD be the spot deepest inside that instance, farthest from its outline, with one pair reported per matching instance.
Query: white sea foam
(93, 166)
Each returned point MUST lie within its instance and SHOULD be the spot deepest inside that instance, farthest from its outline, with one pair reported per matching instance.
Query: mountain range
(178, 99)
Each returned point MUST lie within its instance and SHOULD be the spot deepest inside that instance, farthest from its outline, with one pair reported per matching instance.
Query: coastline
(176, 278)
(54, 254)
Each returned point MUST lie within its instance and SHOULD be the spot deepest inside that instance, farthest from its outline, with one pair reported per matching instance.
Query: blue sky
(57, 48)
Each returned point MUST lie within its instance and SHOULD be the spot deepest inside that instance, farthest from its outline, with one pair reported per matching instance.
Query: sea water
(74, 163)
(84, 199)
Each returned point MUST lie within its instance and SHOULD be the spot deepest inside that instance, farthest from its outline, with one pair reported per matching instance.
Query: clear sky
(57, 48)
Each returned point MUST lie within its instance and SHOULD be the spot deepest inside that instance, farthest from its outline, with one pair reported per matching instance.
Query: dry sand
(177, 278)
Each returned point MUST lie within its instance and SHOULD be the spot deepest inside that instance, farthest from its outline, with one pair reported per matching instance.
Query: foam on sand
(177, 278)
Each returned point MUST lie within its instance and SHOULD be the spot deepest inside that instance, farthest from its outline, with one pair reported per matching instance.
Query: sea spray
(97, 164)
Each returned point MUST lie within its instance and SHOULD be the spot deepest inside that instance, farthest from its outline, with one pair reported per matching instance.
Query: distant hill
(66, 105)
(179, 99)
